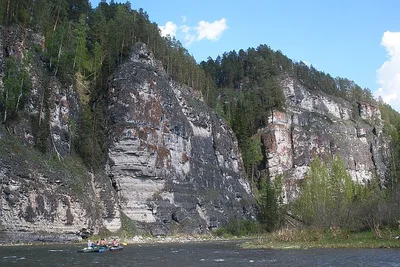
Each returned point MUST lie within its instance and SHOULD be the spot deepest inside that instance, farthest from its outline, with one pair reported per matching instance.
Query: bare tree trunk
(93, 132)
(20, 95)
(197, 79)
(8, 10)
(5, 109)
(58, 58)
(122, 50)
(54, 145)
(55, 24)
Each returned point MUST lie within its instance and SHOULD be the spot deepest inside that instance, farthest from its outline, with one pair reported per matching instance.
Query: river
(194, 254)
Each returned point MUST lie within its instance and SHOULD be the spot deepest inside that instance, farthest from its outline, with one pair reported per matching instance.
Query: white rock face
(320, 125)
(368, 112)
(172, 159)
(39, 211)
(300, 99)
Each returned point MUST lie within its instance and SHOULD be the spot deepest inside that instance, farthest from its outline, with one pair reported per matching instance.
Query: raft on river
(100, 249)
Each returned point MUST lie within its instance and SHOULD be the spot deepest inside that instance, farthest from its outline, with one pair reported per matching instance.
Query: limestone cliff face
(174, 162)
(39, 194)
(173, 165)
(315, 124)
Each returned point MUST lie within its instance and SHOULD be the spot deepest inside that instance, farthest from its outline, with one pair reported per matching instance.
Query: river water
(194, 254)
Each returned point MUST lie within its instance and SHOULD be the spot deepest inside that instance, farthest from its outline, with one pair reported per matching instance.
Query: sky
(354, 39)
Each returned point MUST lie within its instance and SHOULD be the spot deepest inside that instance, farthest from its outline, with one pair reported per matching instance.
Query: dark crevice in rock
(264, 162)
(371, 150)
(291, 138)
(113, 182)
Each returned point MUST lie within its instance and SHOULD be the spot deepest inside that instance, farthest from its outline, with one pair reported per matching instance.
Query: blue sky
(355, 39)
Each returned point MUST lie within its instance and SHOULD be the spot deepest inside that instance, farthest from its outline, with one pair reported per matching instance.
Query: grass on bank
(316, 238)
(308, 237)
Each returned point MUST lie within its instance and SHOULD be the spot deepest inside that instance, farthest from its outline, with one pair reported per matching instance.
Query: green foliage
(40, 122)
(392, 177)
(81, 51)
(252, 156)
(14, 11)
(128, 225)
(318, 238)
(270, 202)
(16, 82)
(330, 199)
(326, 195)
(91, 137)
(238, 228)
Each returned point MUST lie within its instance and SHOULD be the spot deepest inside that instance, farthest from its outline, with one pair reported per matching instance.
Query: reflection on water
(194, 254)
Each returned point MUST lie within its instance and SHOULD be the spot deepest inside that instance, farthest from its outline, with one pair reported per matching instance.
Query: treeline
(254, 67)
(84, 46)
(330, 199)
(95, 41)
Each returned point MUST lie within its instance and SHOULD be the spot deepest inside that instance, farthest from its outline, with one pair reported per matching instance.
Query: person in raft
(89, 243)
(115, 243)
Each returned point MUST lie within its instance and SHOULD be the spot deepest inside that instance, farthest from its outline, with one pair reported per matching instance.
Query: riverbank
(296, 239)
(283, 239)
(27, 239)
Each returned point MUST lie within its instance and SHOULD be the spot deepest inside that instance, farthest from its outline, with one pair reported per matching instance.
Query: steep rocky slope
(174, 162)
(43, 198)
(173, 166)
(316, 124)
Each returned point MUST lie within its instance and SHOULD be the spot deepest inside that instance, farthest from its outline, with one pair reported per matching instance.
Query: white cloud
(168, 29)
(211, 31)
(389, 72)
(203, 31)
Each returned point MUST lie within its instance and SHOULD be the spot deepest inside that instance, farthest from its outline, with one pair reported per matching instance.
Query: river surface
(194, 254)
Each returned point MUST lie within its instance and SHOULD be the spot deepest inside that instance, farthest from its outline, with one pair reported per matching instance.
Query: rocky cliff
(45, 197)
(174, 163)
(316, 124)
(172, 166)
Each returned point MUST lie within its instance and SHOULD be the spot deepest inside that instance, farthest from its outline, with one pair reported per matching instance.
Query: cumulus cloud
(211, 31)
(168, 29)
(389, 73)
(204, 30)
